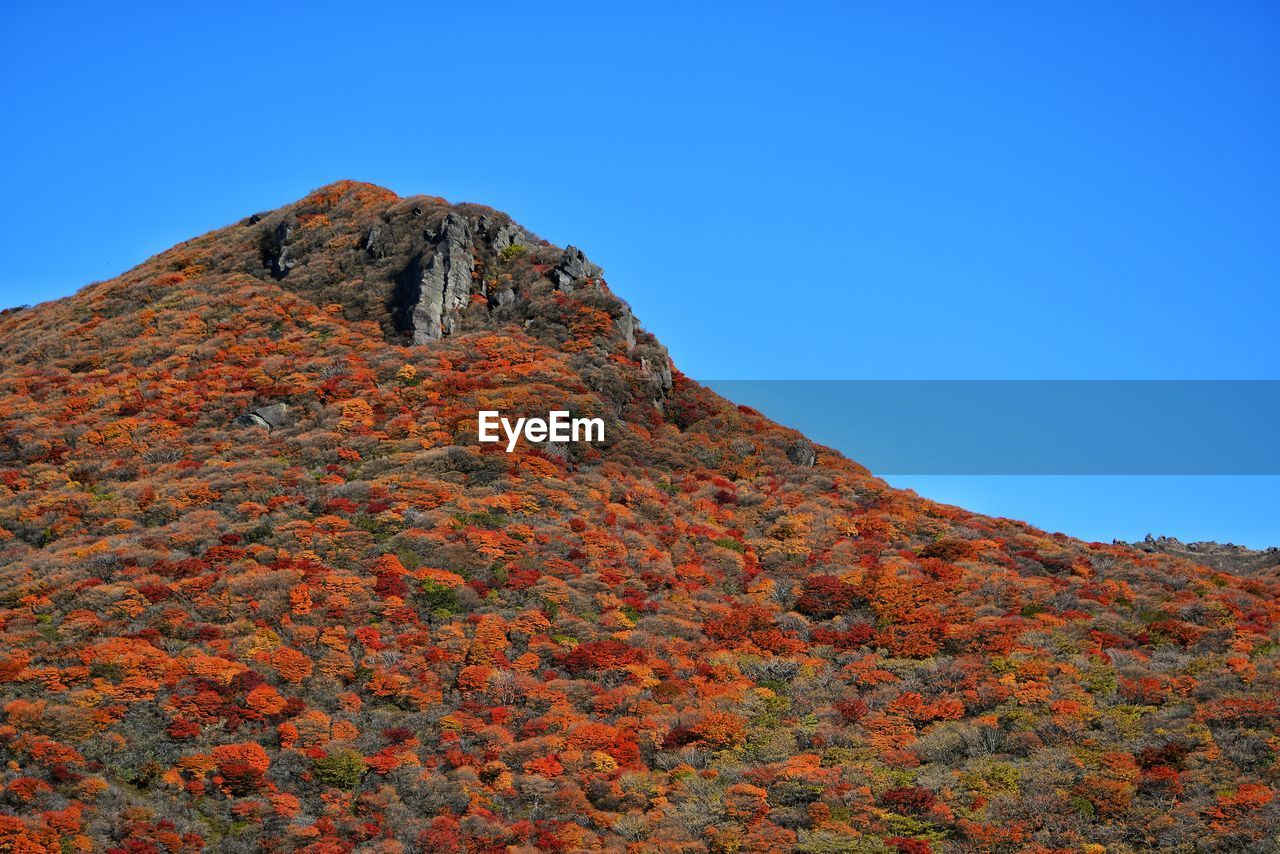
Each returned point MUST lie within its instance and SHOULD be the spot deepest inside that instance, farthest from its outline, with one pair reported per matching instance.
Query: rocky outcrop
(275, 249)
(269, 417)
(251, 419)
(656, 365)
(574, 270)
(1225, 557)
(627, 326)
(446, 281)
(802, 453)
(501, 235)
(376, 241)
(430, 292)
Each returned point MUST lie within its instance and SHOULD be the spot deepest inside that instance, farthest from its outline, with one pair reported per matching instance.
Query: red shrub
(607, 654)
(909, 800)
(825, 596)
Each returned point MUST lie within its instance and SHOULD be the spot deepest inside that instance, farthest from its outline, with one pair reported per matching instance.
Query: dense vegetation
(365, 631)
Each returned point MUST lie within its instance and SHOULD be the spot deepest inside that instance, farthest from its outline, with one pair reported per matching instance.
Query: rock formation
(443, 283)
(1226, 557)
(802, 453)
(269, 417)
(574, 269)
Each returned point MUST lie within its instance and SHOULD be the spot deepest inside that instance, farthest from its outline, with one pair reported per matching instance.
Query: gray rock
(573, 269)
(802, 453)
(501, 235)
(445, 283)
(268, 417)
(627, 324)
(275, 414)
(277, 250)
(509, 235)
(251, 420)
(658, 370)
(375, 241)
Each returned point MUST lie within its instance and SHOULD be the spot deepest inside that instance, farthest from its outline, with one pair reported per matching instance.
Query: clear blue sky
(844, 190)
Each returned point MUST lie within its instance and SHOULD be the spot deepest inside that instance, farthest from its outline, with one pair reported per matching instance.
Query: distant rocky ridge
(1226, 557)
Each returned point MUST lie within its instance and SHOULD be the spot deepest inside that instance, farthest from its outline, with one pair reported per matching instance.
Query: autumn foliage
(362, 630)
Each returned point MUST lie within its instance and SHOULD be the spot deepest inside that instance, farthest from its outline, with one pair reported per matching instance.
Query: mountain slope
(262, 588)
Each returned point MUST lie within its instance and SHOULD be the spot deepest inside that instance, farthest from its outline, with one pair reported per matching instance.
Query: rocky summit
(263, 588)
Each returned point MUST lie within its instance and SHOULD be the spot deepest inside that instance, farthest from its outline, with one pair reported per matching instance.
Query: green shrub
(439, 598)
(341, 770)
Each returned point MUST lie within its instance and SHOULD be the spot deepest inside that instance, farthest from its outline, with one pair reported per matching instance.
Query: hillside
(261, 588)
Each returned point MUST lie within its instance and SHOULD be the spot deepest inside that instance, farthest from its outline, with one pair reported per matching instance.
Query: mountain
(262, 588)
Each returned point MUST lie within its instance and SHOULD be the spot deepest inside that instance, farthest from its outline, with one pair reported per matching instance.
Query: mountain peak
(343, 186)
(417, 267)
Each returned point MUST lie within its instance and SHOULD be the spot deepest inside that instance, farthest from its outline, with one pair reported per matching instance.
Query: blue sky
(851, 190)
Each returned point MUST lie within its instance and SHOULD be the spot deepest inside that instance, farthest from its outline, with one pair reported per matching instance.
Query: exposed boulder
(270, 417)
(802, 453)
(573, 270)
(276, 249)
(275, 414)
(627, 324)
(250, 419)
(501, 235)
(656, 365)
(376, 241)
